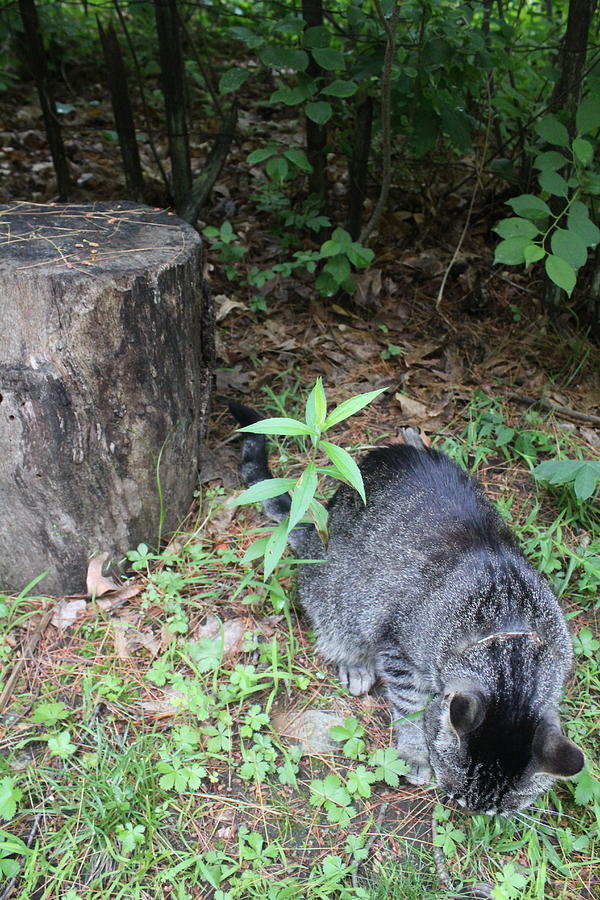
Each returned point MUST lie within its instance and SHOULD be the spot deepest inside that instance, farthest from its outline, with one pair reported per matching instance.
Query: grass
(144, 755)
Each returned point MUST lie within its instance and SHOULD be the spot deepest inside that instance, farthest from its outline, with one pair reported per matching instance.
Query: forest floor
(172, 737)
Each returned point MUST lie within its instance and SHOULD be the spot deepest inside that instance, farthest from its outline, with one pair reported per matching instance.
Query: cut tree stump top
(85, 240)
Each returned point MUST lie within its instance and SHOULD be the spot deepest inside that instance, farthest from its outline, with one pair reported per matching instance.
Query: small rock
(590, 435)
(309, 728)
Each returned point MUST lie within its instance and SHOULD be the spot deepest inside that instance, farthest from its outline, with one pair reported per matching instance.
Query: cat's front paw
(420, 772)
(411, 746)
(358, 679)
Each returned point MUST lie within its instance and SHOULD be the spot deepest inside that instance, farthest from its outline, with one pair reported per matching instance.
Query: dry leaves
(417, 412)
(170, 704)
(412, 408)
(98, 585)
(591, 436)
(221, 463)
(66, 613)
(129, 639)
(224, 305)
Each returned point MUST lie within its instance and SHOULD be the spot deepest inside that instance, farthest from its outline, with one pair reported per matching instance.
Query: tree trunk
(116, 77)
(204, 183)
(358, 164)
(173, 85)
(316, 135)
(567, 90)
(39, 68)
(104, 384)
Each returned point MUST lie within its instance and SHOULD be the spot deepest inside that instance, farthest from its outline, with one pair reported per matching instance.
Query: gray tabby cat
(425, 588)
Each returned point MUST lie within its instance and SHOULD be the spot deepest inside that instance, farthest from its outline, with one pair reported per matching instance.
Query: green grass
(161, 768)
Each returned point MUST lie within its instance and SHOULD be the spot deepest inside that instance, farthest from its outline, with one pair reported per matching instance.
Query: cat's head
(492, 758)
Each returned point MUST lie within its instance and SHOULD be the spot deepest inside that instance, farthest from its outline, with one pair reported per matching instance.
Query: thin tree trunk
(567, 90)
(357, 167)
(316, 135)
(391, 29)
(204, 183)
(593, 301)
(173, 85)
(140, 85)
(116, 76)
(37, 62)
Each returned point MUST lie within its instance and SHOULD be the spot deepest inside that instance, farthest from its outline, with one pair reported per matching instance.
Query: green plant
(10, 848)
(331, 794)
(279, 160)
(129, 836)
(509, 883)
(537, 232)
(581, 474)
(179, 774)
(304, 489)
(446, 834)
(60, 744)
(341, 253)
(388, 766)
(46, 713)
(10, 797)
(226, 244)
(351, 732)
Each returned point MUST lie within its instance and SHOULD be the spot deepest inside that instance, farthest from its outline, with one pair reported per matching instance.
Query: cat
(425, 588)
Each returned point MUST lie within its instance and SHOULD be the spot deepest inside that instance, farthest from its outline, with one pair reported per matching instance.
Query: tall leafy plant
(567, 172)
(305, 505)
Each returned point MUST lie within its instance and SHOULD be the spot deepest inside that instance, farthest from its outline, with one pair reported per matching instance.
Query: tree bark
(173, 84)
(116, 76)
(316, 135)
(567, 91)
(358, 164)
(105, 383)
(38, 64)
(204, 183)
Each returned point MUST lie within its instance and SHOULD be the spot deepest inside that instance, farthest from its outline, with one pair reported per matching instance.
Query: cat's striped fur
(425, 588)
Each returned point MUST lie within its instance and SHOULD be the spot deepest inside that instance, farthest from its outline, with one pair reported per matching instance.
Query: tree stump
(106, 358)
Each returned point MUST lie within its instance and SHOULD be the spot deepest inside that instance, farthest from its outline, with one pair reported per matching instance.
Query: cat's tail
(255, 467)
(412, 438)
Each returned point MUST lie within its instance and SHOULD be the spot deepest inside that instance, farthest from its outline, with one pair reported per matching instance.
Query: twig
(386, 87)
(518, 287)
(376, 833)
(440, 863)
(471, 204)
(27, 652)
(565, 411)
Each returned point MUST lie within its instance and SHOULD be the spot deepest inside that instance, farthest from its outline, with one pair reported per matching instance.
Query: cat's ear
(466, 710)
(553, 753)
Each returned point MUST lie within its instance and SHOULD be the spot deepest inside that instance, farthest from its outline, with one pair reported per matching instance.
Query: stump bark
(106, 360)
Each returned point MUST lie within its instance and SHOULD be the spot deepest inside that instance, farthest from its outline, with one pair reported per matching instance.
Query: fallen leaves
(416, 411)
(231, 632)
(66, 613)
(98, 585)
(224, 305)
(129, 639)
